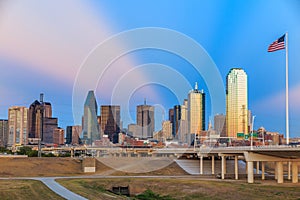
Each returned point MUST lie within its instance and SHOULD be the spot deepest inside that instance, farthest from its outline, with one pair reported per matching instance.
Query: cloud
(276, 102)
(50, 36)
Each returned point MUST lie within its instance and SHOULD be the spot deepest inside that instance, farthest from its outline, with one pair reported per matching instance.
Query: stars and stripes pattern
(277, 44)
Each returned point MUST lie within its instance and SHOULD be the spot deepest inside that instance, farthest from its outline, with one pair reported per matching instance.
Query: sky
(56, 47)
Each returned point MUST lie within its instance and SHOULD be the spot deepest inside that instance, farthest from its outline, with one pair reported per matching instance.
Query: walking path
(59, 189)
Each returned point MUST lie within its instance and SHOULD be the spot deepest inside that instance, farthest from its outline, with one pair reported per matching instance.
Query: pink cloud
(277, 101)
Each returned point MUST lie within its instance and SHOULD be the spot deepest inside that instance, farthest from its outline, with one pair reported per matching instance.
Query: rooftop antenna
(145, 101)
(196, 86)
(42, 97)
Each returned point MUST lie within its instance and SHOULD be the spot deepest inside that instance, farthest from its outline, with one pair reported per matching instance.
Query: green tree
(27, 151)
(150, 195)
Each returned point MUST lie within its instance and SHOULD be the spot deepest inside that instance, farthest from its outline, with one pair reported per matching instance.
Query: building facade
(3, 132)
(167, 130)
(183, 125)
(17, 126)
(131, 130)
(110, 121)
(236, 103)
(58, 136)
(49, 125)
(176, 121)
(145, 121)
(220, 125)
(196, 111)
(39, 113)
(73, 135)
(90, 123)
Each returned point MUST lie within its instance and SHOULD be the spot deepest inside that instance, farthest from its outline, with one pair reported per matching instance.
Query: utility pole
(41, 124)
(253, 117)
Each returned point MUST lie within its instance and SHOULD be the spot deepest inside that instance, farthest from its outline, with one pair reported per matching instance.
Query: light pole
(253, 117)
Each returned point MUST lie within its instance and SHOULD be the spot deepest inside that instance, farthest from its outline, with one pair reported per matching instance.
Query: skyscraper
(90, 122)
(176, 121)
(236, 102)
(40, 112)
(167, 130)
(17, 126)
(196, 111)
(49, 125)
(145, 121)
(110, 121)
(3, 132)
(132, 130)
(183, 126)
(220, 125)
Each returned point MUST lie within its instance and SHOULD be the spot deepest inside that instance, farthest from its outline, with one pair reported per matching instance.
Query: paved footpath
(59, 189)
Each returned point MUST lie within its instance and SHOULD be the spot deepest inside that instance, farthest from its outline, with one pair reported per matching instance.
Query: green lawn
(184, 188)
(25, 189)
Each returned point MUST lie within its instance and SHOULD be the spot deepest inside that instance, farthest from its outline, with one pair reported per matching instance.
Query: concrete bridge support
(251, 157)
(294, 172)
(223, 165)
(289, 170)
(236, 167)
(279, 167)
(262, 170)
(201, 165)
(213, 165)
(276, 171)
(250, 172)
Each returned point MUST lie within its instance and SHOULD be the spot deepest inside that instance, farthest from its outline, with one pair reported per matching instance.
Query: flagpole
(287, 89)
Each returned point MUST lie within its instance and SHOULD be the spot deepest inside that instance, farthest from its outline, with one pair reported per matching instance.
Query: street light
(253, 117)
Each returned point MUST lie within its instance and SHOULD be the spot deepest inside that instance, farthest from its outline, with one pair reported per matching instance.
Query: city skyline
(234, 34)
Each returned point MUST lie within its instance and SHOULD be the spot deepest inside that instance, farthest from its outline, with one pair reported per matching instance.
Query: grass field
(184, 188)
(25, 189)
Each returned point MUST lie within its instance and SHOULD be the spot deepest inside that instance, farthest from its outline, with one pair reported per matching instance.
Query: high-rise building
(110, 121)
(3, 132)
(73, 135)
(17, 126)
(171, 114)
(132, 130)
(58, 136)
(220, 126)
(90, 123)
(236, 102)
(41, 124)
(145, 121)
(183, 125)
(49, 125)
(167, 130)
(196, 111)
(34, 120)
(176, 121)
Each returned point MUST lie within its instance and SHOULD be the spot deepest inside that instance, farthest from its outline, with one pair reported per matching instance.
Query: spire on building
(196, 86)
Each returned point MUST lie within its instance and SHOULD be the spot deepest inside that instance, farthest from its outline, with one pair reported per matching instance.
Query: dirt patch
(20, 167)
(32, 167)
(172, 169)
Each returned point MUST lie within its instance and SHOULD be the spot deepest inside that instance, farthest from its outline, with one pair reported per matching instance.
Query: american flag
(277, 44)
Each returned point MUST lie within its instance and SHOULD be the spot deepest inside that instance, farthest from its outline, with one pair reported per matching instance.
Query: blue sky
(43, 45)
